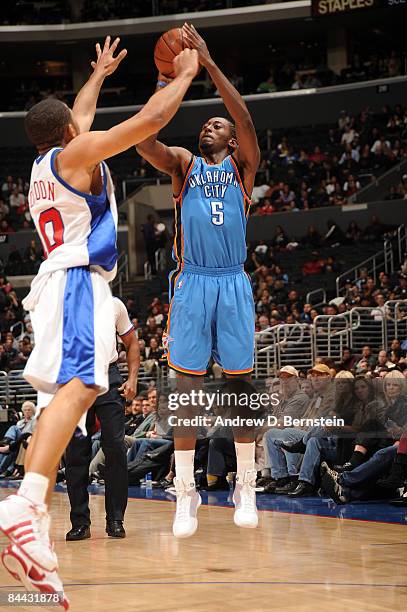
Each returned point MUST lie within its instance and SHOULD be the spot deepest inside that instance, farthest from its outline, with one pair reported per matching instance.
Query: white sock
(34, 487)
(184, 465)
(245, 457)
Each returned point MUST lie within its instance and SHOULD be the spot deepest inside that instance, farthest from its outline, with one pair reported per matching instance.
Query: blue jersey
(211, 216)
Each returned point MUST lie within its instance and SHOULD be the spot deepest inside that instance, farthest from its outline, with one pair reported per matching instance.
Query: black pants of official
(110, 411)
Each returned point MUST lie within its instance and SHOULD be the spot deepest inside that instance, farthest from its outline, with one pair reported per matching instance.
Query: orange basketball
(168, 46)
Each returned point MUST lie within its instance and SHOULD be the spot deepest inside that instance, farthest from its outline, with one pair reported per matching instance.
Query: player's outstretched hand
(105, 62)
(187, 63)
(195, 41)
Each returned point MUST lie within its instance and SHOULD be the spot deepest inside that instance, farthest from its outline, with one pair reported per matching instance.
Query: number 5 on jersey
(217, 213)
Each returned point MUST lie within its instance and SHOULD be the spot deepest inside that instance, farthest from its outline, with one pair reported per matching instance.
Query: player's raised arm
(86, 150)
(170, 160)
(84, 107)
(248, 153)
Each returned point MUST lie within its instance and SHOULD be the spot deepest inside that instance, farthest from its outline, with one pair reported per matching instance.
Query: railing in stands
(331, 335)
(297, 344)
(401, 242)
(382, 261)
(4, 387)
(14, 389)
(160, 264)
(396, 320)
(294, 343)
(368, 326)
(301, 343)
(121, 275)
(265, 353)
(19, 390)
(289, 344)
(316, 297)
(377, 189)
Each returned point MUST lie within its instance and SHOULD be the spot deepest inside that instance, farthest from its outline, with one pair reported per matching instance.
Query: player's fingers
(121, 56)
(190, 36)
(93, 64)
(98, 50)
(114, 45)
(187, 35)
(187, 30)
(191, 29)
(107, 43)
(116, 61)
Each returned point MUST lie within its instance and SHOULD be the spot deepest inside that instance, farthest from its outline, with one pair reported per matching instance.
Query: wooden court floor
(292, 562)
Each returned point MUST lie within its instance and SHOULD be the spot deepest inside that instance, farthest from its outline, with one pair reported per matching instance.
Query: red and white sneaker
(26, 525)
(23, 570)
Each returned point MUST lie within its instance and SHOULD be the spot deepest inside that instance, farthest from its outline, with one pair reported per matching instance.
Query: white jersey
(122, 322)
(70, 299)
(76, 229)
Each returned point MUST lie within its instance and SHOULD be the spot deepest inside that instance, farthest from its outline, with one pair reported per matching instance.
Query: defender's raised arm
(84, 107)
(86, 150)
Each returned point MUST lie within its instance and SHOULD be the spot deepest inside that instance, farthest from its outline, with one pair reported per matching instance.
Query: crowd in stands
(344, 157)
(293, 175)
(310, 70)
(338, 429)
(357, 455)
(57, 11)
(306, 72)
(363, 459)
(398, 192)
(280, 297)
(14, 209)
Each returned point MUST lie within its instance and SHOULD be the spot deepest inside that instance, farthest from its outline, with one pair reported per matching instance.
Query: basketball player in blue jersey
(211, 311)
(73, 207)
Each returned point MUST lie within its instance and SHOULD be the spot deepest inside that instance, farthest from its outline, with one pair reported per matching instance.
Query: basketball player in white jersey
(73, 208)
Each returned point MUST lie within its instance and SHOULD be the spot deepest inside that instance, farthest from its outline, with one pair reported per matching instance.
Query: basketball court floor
(306, 555)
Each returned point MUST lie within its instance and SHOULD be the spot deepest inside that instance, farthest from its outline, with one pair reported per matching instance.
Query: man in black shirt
(109, 410)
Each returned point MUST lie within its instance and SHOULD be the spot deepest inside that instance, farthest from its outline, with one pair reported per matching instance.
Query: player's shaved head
(46, 122)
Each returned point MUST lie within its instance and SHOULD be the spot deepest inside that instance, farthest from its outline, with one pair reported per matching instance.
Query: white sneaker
(244, 498)
(23, 570)
(26, 525)
(188, 501)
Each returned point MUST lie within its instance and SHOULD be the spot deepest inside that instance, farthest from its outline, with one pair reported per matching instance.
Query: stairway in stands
(143, 291)
(345, 256)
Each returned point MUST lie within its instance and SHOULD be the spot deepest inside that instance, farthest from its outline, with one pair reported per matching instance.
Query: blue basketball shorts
(74, 329)
(211, 314)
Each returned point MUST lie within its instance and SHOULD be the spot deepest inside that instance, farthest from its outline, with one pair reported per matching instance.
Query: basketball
(168, 46)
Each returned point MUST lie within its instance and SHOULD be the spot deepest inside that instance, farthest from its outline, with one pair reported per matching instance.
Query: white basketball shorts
(74, 331)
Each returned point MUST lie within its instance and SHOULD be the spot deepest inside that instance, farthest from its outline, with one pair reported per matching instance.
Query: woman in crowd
(379, 423)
